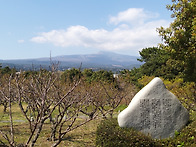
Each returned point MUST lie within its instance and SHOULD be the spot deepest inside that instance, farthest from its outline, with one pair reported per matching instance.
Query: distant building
(115, 75)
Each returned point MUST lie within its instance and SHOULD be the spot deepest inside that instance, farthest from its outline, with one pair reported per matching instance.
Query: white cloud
(133, 16)
(134, 30)
(21, 41)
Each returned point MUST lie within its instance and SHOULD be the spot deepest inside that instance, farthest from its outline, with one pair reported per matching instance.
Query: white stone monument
(155, 111)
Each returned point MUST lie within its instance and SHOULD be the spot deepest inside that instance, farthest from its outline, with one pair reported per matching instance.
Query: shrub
(109, 134)
(186, 137)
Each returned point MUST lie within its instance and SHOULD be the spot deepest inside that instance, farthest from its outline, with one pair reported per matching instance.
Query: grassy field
(82, 136)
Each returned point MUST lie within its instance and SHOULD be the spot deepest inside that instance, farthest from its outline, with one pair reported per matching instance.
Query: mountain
(104, 60)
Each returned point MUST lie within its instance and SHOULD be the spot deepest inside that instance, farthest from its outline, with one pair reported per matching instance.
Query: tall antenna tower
(50, 56)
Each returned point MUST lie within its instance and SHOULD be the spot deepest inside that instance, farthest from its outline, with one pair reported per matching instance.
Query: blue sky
(33, 28)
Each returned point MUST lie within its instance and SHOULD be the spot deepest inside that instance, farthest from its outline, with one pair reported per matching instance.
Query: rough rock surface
(154, 110)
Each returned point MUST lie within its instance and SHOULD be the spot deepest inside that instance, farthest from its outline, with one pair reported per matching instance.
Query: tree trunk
(5, 107)
(57, 143)
(53, 133)
(37, 133)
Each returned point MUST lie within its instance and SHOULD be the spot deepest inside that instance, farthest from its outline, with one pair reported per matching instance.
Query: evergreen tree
(180, 37)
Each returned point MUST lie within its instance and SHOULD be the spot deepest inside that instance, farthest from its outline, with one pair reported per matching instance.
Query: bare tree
(7, 93)
(76, 110)
(42, 96)
(108, 96)
(35, 92)
(3, 101)
(47, 98)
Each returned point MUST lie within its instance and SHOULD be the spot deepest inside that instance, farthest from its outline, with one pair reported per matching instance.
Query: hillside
(103, 60)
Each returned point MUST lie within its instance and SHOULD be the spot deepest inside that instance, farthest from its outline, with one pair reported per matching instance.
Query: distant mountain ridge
(106, 60)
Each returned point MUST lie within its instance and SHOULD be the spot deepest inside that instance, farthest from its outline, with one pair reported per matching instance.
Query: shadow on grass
(79, 139)
(2, 144)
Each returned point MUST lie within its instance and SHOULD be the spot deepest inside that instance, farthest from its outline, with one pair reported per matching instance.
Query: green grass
(82, 136)
(16, 115)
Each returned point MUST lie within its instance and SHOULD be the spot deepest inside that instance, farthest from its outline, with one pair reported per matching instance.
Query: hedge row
(109, 134)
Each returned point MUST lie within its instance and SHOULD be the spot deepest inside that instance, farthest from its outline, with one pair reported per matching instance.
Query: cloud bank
(134, 29)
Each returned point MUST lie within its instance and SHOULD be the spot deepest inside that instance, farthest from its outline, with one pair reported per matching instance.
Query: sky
(36, 28)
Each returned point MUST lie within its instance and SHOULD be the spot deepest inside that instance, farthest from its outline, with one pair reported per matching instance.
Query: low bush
(186, 137)
(109, 134)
